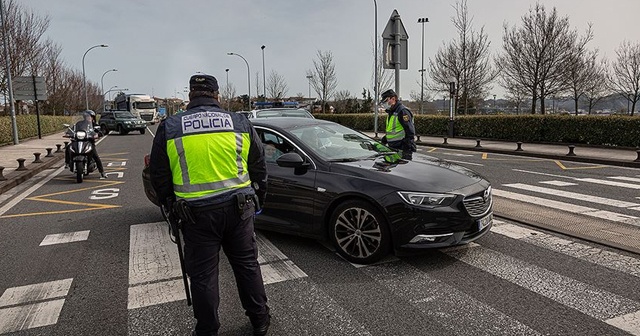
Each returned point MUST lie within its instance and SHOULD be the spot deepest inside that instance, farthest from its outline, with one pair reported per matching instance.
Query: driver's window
(274, 145)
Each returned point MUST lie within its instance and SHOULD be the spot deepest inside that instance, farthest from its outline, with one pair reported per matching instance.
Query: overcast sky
(156, 45)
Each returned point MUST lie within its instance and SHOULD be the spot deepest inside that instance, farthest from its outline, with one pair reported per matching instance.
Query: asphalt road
(115, 272)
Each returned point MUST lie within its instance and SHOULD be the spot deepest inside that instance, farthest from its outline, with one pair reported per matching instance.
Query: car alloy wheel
(359, 232)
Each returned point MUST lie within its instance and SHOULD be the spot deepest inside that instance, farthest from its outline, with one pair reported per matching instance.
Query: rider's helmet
(89, 115)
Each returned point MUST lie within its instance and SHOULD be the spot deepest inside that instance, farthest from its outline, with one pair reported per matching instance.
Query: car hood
(423, 173)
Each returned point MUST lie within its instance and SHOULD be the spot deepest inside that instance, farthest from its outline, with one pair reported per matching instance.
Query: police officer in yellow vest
(400, 129)
(213, 161)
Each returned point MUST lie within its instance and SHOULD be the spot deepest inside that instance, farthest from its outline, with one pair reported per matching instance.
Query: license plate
(485, 221)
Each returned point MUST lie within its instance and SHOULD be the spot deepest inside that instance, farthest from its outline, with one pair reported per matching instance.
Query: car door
(290, 203)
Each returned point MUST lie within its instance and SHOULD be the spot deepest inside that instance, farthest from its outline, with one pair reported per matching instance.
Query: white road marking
(571, 248)
(22, 186)
(152, 255)
(543, 174)
(443, 303)
(456, 154)
(625, 178)
(156, 293)
(559, 183)
(35, 292)
(462, 162)
(572, 195)
(274, 265)
(629, 323)
(602, 214)
(62, 238)
(30, 316)
(29, 191)
(155, 276)
(577, 295)
(610, 183)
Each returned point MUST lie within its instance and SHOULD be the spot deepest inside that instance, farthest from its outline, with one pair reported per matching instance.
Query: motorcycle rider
(88, 123)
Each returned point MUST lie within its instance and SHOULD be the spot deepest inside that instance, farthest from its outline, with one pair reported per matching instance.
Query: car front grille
(147, 117)
(479, 204)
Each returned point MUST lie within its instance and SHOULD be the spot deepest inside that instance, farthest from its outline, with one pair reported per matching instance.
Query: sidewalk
(25, 150)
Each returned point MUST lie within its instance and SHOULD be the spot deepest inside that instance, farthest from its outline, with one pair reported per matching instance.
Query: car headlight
(427, 199)
(81, 135)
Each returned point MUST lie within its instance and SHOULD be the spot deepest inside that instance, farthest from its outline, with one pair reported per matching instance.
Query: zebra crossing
(329, 299)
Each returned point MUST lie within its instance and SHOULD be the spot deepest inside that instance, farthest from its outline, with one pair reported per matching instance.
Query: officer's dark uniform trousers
(203, 240)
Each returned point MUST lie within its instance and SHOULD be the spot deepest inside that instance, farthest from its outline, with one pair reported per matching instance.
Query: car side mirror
(291, 160)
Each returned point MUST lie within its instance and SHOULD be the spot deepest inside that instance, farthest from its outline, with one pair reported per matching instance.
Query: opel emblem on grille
(486, 195)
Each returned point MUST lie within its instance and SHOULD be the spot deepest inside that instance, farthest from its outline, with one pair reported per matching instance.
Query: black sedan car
(327, 181)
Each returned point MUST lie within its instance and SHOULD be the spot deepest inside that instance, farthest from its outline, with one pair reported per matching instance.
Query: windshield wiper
(381, 154)
(344, 160)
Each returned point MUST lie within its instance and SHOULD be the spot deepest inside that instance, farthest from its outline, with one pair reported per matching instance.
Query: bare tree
(426, 93)
(466, 59)
(276, 85)
(385, 76)
(228, 93)
(24, 30)
(323, 76)
(538, 54)
(596, 87)
(580, 73)
(516, 94)
(625, 78)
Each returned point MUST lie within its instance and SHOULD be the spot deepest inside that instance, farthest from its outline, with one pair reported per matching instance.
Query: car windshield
(124, 115)
(144, 105)
(335, 142)
(283, 113)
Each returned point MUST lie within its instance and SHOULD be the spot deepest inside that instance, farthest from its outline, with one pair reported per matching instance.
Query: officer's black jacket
(160, 169)
(407, 125)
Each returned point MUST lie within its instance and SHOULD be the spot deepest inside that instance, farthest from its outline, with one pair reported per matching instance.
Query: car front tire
(359, 232)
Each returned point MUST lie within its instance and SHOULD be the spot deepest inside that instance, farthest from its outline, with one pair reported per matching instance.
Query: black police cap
(388, 94)
(202, 82)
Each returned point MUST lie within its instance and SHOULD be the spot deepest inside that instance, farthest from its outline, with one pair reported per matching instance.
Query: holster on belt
(242, 199)
(183, 211)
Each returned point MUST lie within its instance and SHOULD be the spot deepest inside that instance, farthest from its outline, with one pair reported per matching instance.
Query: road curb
(16, 177)
(611, 162)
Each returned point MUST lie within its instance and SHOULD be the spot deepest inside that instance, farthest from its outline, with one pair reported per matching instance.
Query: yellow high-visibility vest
(208, 153)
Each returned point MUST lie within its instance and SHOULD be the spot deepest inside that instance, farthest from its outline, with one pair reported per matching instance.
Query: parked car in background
(122, 122)
(280, 112)
(330, 182)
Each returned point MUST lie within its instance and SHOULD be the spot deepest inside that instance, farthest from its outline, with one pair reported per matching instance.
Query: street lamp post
(309, 80)
(422, 21)
(495, 107)
(264, 77)
(228, 91)
(102, 85)
(452, 93)
(84, 77)
(375, 72)
(248, 76)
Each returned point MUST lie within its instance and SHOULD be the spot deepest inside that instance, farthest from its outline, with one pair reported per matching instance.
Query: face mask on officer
(388, 104)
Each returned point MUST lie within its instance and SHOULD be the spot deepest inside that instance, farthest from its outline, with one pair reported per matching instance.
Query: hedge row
(28, 126)
(616, 130)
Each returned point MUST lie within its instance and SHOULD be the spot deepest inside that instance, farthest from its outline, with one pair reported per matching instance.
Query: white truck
(140, 105)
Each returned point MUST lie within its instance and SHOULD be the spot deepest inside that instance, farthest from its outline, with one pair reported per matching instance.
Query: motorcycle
(81, 144)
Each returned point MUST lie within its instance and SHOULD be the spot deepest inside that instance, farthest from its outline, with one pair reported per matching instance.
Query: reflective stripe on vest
(395, 131)
(207, 164)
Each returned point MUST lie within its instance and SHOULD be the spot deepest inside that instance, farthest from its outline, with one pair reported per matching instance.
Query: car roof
(288, 122)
